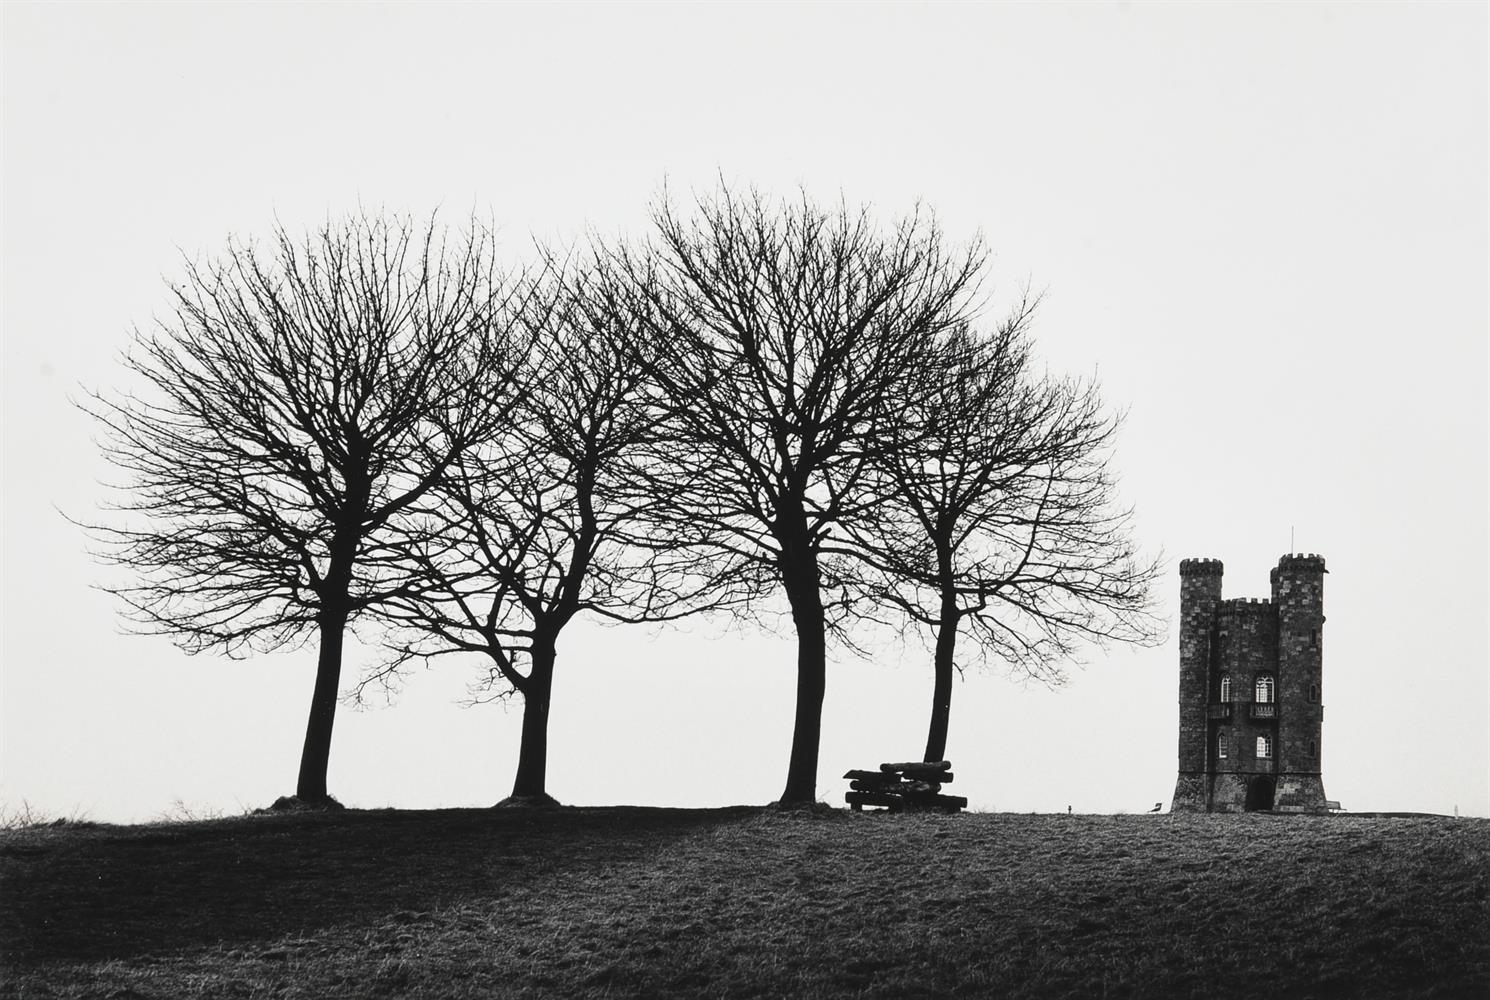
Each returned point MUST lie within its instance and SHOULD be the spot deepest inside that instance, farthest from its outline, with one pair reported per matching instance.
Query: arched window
(1221, 745)
(1314, 694)
(1264, 747)
(1225, 690)
(1263, 694)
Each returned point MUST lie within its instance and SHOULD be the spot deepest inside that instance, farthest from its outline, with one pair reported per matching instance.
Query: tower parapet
(1300, 562)
(1200, 567)
(1239, 606)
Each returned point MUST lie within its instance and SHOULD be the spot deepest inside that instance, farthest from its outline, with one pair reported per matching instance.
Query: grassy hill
(744, 902)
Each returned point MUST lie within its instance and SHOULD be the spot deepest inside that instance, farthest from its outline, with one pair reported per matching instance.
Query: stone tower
(1251, 691)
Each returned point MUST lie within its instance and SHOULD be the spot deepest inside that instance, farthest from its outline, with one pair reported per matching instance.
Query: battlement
(1300, 562)
(1239, 606)
(1200, 567)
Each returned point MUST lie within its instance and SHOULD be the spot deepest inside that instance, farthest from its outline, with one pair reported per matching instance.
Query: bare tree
(785, 335)
(1006, 517)
(533, 526)
(299, 400)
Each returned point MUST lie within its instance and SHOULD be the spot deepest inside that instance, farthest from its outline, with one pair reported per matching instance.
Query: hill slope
(744, 902)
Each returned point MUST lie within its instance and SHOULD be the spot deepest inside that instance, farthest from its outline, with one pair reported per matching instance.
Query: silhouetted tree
(1006, 516)
(785, 337)
(531, 527)
(296, 404)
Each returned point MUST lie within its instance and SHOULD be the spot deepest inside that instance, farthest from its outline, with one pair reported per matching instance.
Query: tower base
(1190, 793)
(1300, 793)
(1228, 792)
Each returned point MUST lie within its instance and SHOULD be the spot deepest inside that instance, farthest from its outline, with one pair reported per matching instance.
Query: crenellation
(1200, 567)
(1244, 606)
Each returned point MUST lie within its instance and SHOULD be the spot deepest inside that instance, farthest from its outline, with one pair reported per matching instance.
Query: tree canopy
(767, 407)
(301, 397)
(1004, 516)
(786, 334)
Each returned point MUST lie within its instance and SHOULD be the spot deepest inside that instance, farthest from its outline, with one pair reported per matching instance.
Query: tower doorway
(1260, 793)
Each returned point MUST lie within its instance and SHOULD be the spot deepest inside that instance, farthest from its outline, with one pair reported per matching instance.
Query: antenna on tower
(1290, 538)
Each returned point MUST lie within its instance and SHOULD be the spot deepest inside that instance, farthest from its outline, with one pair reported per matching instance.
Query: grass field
(745, 902)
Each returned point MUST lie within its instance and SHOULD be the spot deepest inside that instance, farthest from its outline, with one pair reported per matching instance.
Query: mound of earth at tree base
(529, 802)
(295, 804)
(805, 810)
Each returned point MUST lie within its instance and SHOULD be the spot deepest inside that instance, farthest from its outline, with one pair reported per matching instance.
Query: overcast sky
(1263, 227)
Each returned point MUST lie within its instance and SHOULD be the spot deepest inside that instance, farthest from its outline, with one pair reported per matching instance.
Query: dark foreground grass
(743, 902)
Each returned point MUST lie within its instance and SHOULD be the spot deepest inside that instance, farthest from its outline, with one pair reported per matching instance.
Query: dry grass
(742, 902)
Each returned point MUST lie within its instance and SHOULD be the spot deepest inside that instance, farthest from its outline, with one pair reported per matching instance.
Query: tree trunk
(802, 587)
(946, 642)
(336, 609)
(315, 757)
(532, 755)
(941, 693)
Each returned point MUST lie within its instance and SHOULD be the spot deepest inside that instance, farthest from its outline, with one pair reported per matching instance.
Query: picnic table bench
(914, 786)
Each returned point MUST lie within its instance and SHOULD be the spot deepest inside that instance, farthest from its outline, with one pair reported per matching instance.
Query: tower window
(1221, 745)
(1225, 689)
(1314, 694)
(1264, 747)
(1263, 693)
(1313, 750)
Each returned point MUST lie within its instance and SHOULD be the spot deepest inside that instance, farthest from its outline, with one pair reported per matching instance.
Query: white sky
(1263, 226)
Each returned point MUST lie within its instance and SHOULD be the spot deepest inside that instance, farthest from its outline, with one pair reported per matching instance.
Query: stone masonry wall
(1247, 634)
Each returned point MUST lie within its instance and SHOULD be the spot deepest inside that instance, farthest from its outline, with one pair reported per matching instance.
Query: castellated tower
(1251, 691)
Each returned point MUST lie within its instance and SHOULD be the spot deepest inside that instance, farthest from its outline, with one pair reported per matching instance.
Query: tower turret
(1200, 591)
(1298, 592)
